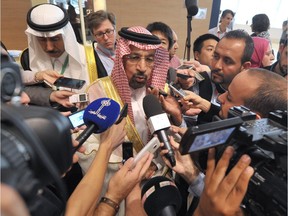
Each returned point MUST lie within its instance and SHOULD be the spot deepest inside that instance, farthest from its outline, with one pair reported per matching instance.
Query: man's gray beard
(136, 85)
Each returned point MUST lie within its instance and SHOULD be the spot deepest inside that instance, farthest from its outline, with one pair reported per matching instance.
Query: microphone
(158, 122)
(192, 8)
(160, 197)
(98, 117)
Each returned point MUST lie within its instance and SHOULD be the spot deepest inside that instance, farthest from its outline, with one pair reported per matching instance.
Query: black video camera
(264, 140)
(36, 144)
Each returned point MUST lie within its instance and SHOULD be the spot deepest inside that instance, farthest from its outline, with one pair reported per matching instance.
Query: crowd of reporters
(126, 70)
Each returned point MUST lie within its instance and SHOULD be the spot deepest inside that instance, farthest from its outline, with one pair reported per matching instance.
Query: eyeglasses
(135, 59)
(108, 32)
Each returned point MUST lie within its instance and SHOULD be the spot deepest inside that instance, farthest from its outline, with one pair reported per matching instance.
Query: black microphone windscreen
(193, 10)
(192, 7)
(158, 193)
(151, 106)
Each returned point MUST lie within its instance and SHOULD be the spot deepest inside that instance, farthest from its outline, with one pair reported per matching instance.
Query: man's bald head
(271, 93)
(260, 90)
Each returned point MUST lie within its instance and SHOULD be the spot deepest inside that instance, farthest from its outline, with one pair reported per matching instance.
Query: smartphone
(184, 67)
(151, 147)
(180, 92)
(78, 98)
(127, 151)
(161, 92)
(69, 83)
(198, 76)
(76, 118)
(183, 76)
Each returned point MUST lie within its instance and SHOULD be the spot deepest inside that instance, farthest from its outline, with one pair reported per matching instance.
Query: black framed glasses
(108, 32)
(135, 59)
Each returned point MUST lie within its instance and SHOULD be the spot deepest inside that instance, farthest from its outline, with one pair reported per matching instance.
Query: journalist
(258, 89)
(262, 92)
(231, 56)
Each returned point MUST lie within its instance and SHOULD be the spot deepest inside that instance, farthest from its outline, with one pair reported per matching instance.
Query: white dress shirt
(217, 32)
(137, 96)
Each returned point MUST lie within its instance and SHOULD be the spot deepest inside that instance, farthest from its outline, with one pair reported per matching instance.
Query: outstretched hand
(48, 75)
(192, 100)
(186, 83)
(184, 164)
(171, 106)
(62, 97)
(122, 183)
(114, 136)
(197, 66)
(222, 193)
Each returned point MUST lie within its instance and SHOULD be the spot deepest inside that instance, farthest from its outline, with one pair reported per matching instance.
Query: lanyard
(109, 56)
(65, 65)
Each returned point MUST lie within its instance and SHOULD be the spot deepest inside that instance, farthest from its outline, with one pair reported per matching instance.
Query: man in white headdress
(140, 62)
(53, 48)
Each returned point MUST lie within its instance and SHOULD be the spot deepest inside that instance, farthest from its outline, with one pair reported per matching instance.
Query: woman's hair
(225, 12)
(260, 23)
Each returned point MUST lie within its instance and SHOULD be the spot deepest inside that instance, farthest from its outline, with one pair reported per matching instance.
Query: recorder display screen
(76, 119)
(208, 140)
(82, 97)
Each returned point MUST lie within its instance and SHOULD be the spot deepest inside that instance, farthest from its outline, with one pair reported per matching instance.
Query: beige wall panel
(128, 13)
(171, 12)
(13, 23)
(36, 2)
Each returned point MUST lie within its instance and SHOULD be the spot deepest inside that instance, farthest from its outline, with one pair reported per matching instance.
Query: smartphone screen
(127, 150)
(76, 119)
(69, 83)
(83, 97)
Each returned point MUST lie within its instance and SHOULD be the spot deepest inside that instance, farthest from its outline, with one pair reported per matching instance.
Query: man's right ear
(196, 55)
(246, 65)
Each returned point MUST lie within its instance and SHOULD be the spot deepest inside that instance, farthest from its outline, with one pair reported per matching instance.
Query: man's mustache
(52, 52)
(215, 71)
(141, 75)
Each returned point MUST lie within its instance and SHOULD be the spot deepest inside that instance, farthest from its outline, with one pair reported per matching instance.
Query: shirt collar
(219, 31)
(136, 93)
(105, 50)
(61, 59)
